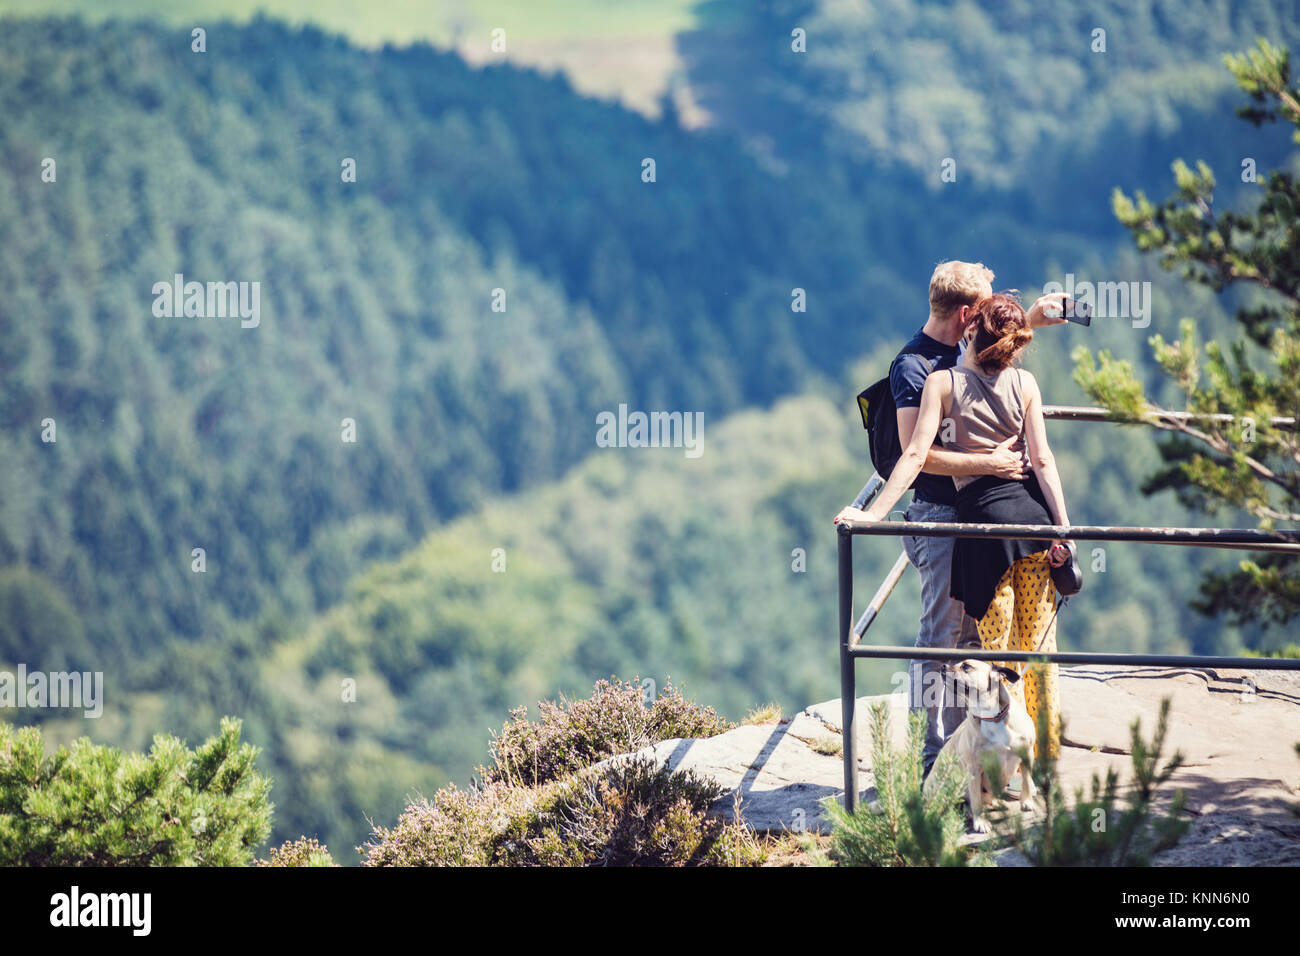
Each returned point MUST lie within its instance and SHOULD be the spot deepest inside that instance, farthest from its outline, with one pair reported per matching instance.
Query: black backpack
(880, 419)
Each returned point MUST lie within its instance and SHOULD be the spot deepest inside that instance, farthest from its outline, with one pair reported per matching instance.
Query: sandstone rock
(779, 776)
(1237, 730)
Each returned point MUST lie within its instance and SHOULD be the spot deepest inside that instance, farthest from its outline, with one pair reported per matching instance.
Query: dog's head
(980, 685)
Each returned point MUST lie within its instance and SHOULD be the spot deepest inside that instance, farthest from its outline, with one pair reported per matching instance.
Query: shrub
(300, 852)
(1094, 832)
(542, 803)
(637, 813)
(632, 813)
(475, 827)
(902, 828)
(91, 805)
(575, 734)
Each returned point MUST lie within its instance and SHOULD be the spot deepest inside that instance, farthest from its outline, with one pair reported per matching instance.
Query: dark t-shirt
(906, 380)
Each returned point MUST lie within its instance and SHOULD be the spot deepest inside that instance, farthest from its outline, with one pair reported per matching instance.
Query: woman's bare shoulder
(939, 381)
(1028, 381)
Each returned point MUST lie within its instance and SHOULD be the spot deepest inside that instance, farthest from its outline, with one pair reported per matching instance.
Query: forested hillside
(328, 559)
(378, 299)
(1048, 101)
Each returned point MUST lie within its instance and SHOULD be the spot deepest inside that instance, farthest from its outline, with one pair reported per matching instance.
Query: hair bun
(1001, 331)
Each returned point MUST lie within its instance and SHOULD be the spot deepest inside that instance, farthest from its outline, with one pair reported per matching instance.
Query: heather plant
(637, 813)
(92, 805)
(542, 802)
(902, 827)
(574, 734)
(1096, 830)
(632, 813)
(305, 851)
(472, 827)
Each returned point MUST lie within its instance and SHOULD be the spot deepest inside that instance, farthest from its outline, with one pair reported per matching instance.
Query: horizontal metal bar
(1241, 539)
(878, 600)
(1084, 413)
(1074, 657)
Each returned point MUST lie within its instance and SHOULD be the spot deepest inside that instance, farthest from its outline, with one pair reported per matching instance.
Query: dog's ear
(1007, 674)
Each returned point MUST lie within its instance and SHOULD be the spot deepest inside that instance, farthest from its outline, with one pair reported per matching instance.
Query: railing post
(848, 678)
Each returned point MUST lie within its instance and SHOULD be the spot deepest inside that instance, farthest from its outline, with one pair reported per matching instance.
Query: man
(939, 345)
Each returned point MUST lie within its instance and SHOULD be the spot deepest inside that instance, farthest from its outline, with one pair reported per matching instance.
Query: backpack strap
(929, 365)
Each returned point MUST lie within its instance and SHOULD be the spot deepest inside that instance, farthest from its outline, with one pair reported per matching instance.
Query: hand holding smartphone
(1077, 311)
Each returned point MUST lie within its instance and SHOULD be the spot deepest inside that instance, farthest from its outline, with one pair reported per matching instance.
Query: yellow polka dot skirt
(1021, 617)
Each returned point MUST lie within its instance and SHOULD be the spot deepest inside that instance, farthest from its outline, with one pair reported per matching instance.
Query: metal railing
(851, 648)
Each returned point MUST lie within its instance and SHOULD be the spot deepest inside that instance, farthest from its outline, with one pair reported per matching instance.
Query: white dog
(997, 723)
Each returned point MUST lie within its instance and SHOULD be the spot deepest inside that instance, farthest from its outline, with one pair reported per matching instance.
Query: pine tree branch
(1158, 417)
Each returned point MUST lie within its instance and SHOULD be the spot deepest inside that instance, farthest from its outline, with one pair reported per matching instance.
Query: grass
(763, 714)
(794, 849)
(830, 746)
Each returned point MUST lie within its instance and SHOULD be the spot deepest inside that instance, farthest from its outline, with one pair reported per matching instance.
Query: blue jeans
(943, 624)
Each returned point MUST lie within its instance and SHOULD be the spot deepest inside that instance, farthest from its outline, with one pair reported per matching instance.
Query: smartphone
(1076, 311)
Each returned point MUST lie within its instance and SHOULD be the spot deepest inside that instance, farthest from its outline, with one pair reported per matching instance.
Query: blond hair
(954, 284)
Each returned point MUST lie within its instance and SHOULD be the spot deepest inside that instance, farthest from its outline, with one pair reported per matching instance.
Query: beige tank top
(986, 410)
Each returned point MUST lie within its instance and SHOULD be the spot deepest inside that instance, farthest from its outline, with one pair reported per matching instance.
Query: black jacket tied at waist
(979, 563)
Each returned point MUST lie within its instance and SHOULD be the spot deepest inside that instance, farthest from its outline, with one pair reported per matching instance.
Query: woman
(1005, 585)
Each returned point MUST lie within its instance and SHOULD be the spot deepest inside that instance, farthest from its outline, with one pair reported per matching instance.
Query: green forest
(406, 525)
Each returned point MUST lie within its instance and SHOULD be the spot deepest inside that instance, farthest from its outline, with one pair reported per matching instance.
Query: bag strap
(1060, 603)
(929, 365)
